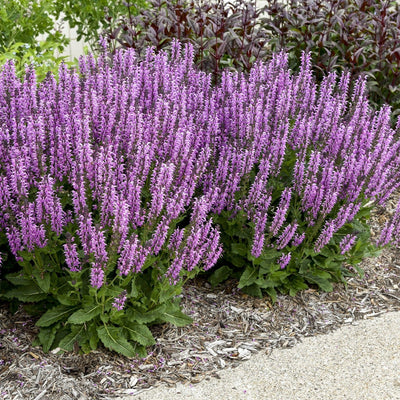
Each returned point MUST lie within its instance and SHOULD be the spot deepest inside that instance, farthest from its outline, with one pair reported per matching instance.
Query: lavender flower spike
(280, 215)
(347, 243)
(119, 301)
(284, 260)
(325, 236)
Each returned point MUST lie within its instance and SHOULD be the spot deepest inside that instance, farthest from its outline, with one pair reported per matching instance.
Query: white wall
(75, 47)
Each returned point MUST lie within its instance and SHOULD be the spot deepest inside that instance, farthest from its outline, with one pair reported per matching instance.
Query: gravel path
(360, 361)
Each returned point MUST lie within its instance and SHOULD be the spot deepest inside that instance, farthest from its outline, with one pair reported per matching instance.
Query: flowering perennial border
(122, 181)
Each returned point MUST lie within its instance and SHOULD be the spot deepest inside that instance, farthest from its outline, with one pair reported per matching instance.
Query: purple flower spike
(71, 256)
(325, 236)
(347, 243)
(284, 260)
(286, 236)
(119, 301)
(280, 214)
(97, 276)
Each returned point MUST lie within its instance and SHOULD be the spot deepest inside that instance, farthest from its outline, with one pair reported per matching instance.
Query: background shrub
(43, 58)
(21, 23)
(359, 36)
(223, 34)
(91, 17)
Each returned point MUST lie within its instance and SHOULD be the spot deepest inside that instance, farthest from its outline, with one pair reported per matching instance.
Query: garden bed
(228, 328)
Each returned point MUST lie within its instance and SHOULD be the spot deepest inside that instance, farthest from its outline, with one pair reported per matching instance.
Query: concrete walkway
(356, 362)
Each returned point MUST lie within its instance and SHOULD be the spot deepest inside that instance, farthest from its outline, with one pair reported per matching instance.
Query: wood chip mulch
(228, 328)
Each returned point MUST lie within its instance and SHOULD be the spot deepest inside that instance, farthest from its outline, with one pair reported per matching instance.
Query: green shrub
(42, 57)
(21, 22)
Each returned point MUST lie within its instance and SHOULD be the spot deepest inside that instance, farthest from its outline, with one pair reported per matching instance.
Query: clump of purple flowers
(298, 160)
(108, 160)
(123, 164)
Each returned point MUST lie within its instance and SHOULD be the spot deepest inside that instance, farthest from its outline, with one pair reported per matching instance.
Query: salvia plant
(123, 180)
(97, 172)
(295, 174)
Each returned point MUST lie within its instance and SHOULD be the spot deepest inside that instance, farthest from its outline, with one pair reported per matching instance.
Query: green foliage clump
(21, 22)
(43, 57)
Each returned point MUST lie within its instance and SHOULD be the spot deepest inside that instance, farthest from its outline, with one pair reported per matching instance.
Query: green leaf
(140, 333)
(143, 286)
(140, 350)
(359, 270)
(145, 318)
(272, 293)
(239, 249)
(112, 291)
(296, 284)
(30, 293)
(321, 261)
(364, 212)
(85, 347)
(67, 343)
(55, 314)
(321, 279)
(237, 261)
(253, 290)
(267, 266)
(93, 336)
(105, 318)
(248, 277)
(177, 318)
(134, 293)
(168, 292)
(86, 314)
(46, 337)
(304, 266)
(42, 280)
(220, 275)
(270, 254)
(67, 300)
(113, 339)
(18, 279)
(327, 252)
(265, 282)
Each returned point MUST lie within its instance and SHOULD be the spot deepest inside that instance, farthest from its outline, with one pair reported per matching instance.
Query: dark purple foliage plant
(359, 36)
(224, 34)
(123, 180)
